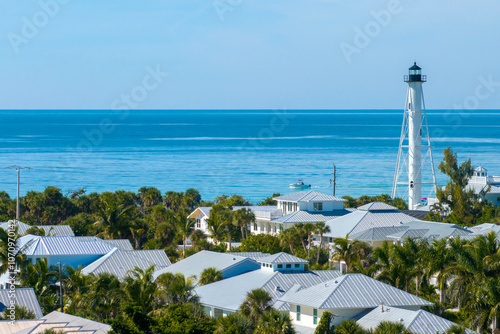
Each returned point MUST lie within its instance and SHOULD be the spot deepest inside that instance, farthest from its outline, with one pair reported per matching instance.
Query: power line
(18, 168)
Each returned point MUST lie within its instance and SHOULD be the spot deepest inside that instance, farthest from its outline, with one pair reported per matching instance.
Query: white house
(484, 185)
(346, 297)
(279, 274)
(299, 207)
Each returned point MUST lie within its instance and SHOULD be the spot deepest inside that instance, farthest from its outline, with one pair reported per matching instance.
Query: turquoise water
(252, 153)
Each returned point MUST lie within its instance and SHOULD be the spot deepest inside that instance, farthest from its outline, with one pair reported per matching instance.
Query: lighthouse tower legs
(414, 144)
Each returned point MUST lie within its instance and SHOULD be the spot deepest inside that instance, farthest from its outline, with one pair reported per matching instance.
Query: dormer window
(318, 206)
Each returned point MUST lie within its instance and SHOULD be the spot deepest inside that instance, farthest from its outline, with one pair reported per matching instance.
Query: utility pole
(18, 168)
(61, 287)
(334, 180)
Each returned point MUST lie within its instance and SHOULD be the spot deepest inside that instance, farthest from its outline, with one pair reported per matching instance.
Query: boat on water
(299, 185)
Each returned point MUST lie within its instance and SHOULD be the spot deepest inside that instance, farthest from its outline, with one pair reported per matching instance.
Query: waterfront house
(299, 207)
(488, 187)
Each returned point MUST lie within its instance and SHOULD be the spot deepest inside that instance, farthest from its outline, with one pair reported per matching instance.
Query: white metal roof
(303, 216)
(377, 206)
(309, 196)
(196, 263)
(59, 230)
(353, 291)
(45, 246)
(281, 258)
(23, 297)
(361, 220)
(276, 283)
(421, 322)
(120, 262)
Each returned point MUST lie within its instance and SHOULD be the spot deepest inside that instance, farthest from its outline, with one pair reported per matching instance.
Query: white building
(300, 207)
(486, 186)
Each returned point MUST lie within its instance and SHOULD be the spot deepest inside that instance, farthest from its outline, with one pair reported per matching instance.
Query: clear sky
(310, 54)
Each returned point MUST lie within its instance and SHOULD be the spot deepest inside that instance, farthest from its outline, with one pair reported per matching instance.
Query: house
(418, 322)
(376, 214)
(429, 231)
(299, 207)
(21, 297)
(120, 262)
(53, 230)
(252, 255)
(70, 251)
(279, 274)
(230, 265)
(345, 297)
(63, 322)
(486, 186)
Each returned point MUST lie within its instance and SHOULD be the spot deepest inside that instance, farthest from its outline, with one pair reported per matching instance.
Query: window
(298, 312)
(263, 264)
(198, 223)
(297, 265)
(280, 266)
(288, 265)
(255, 226)
(281, 228)
(318, 206)
(315, 316)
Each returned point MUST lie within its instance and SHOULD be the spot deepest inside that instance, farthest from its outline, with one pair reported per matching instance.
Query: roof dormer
(282, 262)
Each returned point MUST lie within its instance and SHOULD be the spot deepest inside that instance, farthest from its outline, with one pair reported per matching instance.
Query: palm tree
(113, 217)
(104, 297)
(140, 291)
(309, 228)
(196, 237)
(76, 286)
(300, 230)
(349, 327)
(233, 323)
(456, 329)
(287, 238)
(349, 251)
(256, 302)
(210, 275)
(242, 218)
(274, 322)
(440, 259)
(386, 327)
(138, 231)
(185, 227)
(321, 228)
(216, 227)
(176, 289)
(20, 313)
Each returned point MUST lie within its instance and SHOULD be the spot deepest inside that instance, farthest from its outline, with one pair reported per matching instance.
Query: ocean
(246, 152)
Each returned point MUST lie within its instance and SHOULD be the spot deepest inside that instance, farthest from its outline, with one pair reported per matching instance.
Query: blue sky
(247, 53)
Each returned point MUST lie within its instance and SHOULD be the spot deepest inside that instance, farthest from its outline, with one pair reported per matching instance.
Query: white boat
(299, 185)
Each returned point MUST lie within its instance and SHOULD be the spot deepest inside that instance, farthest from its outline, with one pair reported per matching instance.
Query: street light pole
(61, 287)
(18, 168)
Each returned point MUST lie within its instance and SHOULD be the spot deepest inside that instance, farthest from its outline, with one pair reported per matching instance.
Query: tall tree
(255, 304)
(349, 251)
(321, 228)
(242, 218)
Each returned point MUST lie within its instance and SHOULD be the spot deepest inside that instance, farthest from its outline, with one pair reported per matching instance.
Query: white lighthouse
(410, 151)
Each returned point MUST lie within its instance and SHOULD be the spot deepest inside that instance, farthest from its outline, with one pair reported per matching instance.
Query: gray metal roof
(23, 297)
(65, 322)
(377, 233)
(352, 291)
(360, 221)
(377, 206)
(123, 244)
(429, 230)
(53, 230)
(281, 258)
(252, 255)
(310, 217)
(196, 263)
(309, 196)
(120, 262)
(276, 283)
(421, 322)
(38, 245)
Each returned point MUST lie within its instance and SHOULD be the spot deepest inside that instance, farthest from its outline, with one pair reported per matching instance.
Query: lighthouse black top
(415, 74)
